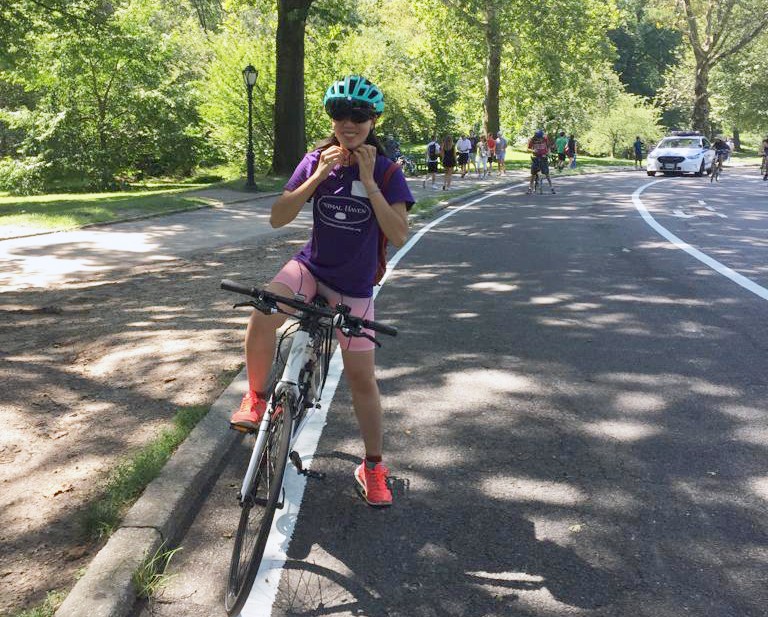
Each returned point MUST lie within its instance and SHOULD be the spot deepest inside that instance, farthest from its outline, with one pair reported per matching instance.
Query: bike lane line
(264, 591)
(715, 265)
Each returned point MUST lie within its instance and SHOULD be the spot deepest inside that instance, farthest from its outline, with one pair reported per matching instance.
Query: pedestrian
(473, 150)
(482, 157)
(501, 153)
(638, 147)
(463, 147)
(433, 156)
(572, 145)
(348, 174)
(539, 148)
(448, 159)
(491, 141)
(561, 144)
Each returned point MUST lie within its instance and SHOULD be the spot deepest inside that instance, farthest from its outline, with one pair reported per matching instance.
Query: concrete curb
(159, 518)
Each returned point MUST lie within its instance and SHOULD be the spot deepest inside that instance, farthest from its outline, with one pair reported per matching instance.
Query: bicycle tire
(267, 486)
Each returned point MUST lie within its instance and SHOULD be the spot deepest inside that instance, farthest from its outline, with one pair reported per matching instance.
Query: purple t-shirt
(343, 250)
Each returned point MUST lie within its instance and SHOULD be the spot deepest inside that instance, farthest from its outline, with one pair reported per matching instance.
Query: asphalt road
(577, 421)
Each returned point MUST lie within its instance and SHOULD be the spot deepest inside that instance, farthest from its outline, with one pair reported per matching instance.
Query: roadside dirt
(90, 372)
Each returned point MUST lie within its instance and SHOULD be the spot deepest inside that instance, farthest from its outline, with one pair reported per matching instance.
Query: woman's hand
(330, 158)
(365, 156)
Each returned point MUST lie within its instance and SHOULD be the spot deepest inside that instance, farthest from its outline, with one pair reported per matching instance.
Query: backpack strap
(381, 266)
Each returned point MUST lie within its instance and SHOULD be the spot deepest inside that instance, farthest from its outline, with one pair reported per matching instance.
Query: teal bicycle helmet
(355, 91)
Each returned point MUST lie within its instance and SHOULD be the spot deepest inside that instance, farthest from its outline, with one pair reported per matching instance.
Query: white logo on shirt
(343, 212)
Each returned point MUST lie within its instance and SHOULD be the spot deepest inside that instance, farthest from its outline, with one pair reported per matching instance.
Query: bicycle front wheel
(258, 511)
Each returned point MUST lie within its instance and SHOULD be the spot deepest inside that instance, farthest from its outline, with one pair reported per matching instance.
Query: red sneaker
(248, 417)
(373, 485)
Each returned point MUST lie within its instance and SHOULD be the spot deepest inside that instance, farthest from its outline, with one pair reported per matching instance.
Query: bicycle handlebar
(263, 295)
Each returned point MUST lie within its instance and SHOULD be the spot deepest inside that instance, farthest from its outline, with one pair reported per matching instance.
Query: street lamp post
(249, 77)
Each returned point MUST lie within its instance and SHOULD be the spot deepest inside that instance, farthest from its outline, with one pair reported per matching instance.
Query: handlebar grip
(380, 327)
(228, 285)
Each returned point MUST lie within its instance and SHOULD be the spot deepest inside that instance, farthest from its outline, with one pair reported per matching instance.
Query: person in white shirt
(481, 160)
(433, 156)
(463, 146)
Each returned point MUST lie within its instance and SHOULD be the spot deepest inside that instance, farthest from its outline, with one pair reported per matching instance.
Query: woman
(448, 157)
(344, 178)
(482, 157)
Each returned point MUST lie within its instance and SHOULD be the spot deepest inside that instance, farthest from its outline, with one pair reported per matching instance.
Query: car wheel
(651, 173)
(700, 173)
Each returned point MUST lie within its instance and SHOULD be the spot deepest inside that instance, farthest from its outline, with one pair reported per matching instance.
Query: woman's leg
(260, 340)
(360, 375)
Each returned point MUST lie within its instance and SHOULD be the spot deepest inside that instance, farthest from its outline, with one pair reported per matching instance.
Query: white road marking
(727, 272)
(703, 204)
(264, 590)
(680, 214)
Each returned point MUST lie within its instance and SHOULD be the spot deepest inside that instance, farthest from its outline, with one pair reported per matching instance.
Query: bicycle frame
(287, 387)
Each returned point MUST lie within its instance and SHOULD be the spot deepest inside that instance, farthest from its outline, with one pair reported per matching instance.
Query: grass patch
(151, 576)
(49, 606)
(41, 213)
(129, 478)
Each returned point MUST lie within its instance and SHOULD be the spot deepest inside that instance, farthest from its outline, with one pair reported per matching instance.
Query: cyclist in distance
(722, 150)
(765, 158)
(538, 146)
(355, 195)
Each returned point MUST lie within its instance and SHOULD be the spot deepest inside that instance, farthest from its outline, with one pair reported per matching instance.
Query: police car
(681, 152)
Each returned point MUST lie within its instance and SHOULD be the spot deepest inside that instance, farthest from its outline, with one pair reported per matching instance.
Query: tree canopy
(94, 91)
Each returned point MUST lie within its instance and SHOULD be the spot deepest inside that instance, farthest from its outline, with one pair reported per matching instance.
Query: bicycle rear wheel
(258, 510)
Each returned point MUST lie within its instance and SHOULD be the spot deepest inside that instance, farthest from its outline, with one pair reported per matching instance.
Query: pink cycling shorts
(297, 277)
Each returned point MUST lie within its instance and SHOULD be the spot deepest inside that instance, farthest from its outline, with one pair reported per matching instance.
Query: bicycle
(294, 392)
(717, 169)
(764, 167)
(538, 183)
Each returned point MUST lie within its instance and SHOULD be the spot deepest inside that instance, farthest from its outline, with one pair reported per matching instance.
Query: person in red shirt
(539, 147)
(491, 152)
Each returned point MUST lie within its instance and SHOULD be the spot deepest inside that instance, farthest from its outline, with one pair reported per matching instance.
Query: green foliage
(645, 48)
(740, 89)
(22, 176)
(95, 93)
(48, 608)
(244, 38)
(614, 131)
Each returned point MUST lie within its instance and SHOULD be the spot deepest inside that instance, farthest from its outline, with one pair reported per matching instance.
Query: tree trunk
(492, 71)
(736, 139)
(290, 139)
(700, 116)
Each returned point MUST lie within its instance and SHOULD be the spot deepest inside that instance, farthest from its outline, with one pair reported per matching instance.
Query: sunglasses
(343, 111)
(357, 116)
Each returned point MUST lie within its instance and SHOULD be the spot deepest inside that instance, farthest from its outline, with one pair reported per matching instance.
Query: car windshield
(679, 142)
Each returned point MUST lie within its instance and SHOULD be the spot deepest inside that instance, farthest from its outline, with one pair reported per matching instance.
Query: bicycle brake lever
(370, 338)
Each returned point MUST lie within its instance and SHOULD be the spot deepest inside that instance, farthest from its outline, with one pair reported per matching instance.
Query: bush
(23, 176)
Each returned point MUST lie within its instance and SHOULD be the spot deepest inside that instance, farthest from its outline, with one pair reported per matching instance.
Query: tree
(290, 139)
(628, 117)
(716, 30)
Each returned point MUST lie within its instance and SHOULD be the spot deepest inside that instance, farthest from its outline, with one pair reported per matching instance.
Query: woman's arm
(289, 204)
(393, 219)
